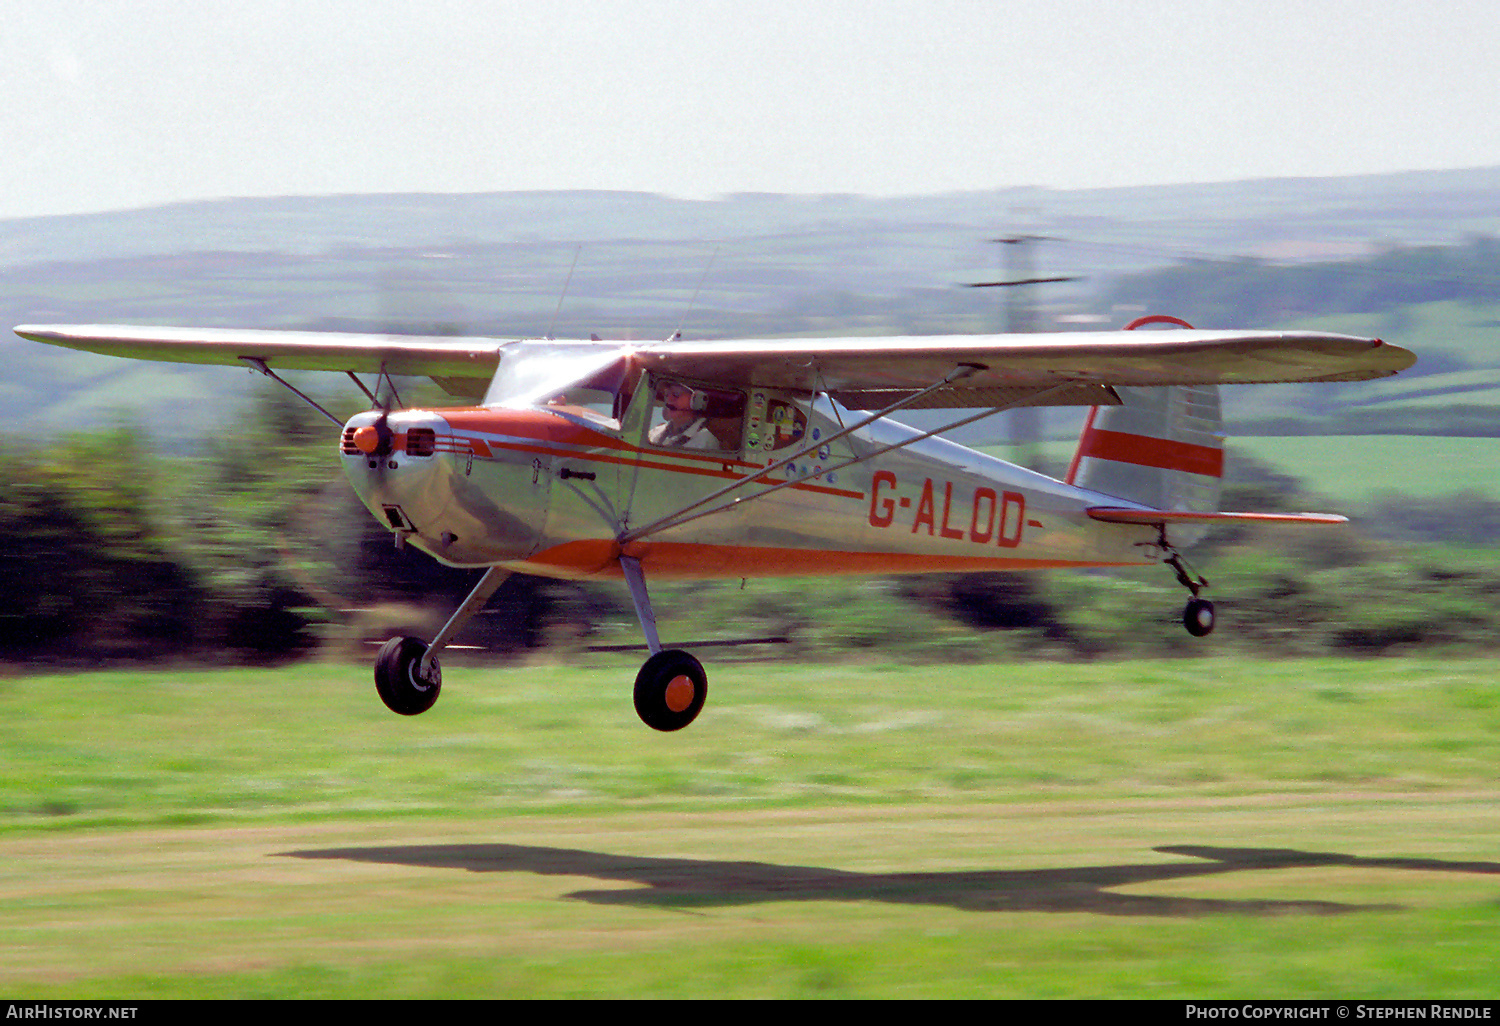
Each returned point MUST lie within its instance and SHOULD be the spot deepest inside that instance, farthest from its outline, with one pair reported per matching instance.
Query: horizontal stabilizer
(1122, 515)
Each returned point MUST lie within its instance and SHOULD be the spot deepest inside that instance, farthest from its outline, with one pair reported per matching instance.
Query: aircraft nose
(391, 458)
(390, 461)
(375, 436)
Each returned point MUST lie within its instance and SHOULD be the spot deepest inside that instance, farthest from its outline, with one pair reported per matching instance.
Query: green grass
(153, 747)
(1350, 468)
(1353, 468)
(1189, 828)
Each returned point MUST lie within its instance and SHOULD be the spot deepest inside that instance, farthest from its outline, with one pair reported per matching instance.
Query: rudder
(1162, 447)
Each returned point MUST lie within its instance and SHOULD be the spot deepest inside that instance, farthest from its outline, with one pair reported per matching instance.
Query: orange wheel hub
(680, 693)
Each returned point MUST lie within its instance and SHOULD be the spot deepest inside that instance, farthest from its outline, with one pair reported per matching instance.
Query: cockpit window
(688, 416)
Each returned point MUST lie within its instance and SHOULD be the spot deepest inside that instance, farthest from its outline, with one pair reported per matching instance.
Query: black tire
(670, 690)
(396, 678)
(1198, 617)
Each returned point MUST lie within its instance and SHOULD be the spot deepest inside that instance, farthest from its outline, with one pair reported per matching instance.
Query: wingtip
(34, 332)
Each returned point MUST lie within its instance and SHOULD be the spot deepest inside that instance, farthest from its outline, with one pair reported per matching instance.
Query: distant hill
(1293, 218)
(767, 264)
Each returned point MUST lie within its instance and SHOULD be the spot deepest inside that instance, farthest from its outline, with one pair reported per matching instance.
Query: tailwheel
(399, 678)
(1198, 617)
(1198, 614)
(670, 690)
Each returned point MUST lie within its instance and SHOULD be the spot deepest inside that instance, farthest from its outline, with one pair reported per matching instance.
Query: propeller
(377, 439)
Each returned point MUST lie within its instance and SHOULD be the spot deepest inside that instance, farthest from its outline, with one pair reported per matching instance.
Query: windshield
(586, 376)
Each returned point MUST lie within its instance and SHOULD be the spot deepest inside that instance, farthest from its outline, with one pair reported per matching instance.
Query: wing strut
(260, 365)
(686, 514)
(487, 586)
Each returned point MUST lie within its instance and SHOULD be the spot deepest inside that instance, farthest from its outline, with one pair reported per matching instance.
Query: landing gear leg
(407, 675)
(671, 688)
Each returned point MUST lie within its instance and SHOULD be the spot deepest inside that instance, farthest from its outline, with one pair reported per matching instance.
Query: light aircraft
(767, 457)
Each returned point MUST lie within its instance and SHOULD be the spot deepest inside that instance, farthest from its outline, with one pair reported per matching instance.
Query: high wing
(462, 366)
(867, 373)
(861, 373)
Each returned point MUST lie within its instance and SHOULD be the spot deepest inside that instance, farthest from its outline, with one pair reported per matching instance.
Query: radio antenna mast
(566, 282)
(1020, 318)
(693, 302)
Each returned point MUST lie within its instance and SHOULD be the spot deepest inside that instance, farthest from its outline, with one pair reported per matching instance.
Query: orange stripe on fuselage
(552, 430)
(541, 425)
(696, 560)
(1146, 451)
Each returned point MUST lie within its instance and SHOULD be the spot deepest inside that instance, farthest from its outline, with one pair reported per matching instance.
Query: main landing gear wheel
(1198, 617)
(398, 677)
(670, 690)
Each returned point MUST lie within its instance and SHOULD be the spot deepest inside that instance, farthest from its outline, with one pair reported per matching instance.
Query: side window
(689, 416)
(775, 423)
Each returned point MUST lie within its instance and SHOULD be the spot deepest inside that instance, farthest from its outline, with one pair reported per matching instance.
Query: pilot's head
(677, 402)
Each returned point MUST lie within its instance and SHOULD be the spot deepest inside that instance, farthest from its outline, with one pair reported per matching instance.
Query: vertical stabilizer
(1162, 447)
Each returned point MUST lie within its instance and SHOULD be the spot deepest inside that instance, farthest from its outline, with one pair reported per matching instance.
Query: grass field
(1190, 828)
(1352, 468)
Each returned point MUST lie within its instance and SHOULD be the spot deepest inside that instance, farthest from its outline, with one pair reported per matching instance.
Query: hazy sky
(130, 103)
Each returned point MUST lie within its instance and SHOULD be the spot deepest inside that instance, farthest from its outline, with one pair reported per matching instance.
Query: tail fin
(1163, 447)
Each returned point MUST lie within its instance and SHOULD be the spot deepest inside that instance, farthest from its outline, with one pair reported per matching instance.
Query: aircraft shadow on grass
(687, 883)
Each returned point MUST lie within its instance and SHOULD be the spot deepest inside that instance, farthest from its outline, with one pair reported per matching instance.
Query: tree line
(1233, 293)
(253, 549)
(256, 549)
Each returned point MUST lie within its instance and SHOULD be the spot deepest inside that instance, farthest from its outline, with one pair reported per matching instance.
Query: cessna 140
(762, 457)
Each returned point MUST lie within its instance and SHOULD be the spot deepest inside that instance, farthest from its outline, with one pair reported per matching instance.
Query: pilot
(684, 426)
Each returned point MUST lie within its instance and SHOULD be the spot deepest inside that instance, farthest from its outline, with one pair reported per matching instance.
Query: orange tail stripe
(1145, 451)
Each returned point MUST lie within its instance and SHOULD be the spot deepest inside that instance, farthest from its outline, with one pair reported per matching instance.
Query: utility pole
(1020, 318)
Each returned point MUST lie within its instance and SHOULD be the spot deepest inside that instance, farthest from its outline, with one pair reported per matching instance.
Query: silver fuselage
(553, 490)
